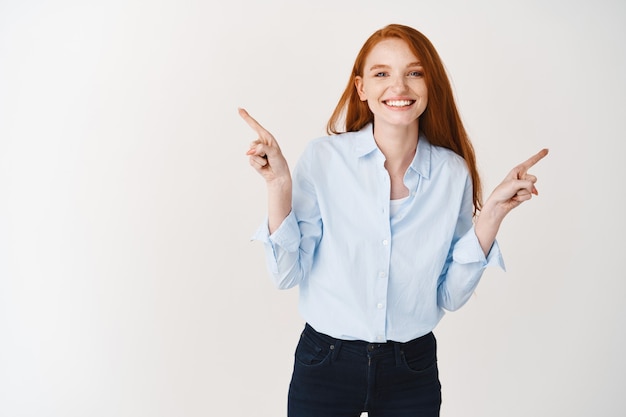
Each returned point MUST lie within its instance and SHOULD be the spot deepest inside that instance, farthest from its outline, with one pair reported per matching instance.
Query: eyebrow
(383, 66)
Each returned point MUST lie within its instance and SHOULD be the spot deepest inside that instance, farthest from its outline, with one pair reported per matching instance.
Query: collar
(422, 159)
(365, 144)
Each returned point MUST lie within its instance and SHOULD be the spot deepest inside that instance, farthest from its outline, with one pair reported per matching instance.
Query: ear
(358, 83)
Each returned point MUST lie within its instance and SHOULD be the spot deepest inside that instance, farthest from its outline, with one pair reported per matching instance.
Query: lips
(398, 103)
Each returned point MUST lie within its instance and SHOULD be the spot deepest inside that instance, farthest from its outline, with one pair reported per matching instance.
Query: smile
(399, 103)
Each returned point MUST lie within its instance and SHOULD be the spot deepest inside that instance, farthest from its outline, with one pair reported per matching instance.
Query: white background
(128, 284)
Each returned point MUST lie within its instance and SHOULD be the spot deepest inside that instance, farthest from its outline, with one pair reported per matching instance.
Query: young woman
(382, 228)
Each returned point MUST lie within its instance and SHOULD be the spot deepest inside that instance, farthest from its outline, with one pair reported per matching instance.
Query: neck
(398, 144)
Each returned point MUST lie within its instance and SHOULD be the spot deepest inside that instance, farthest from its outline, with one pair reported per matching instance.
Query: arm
(289, 242)
(474, 249)
(466, 260)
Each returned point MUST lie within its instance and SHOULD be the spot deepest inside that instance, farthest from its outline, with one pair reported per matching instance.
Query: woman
(379, 229)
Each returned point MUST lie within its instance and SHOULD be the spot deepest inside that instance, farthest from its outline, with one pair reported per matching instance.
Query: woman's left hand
(517, 187)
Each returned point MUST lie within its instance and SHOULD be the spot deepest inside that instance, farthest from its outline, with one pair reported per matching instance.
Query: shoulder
(446, 159)
(326, 146)
(338, 140)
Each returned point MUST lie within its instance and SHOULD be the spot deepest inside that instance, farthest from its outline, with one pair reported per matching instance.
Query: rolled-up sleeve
(281, 247)
(468, 250)
(464, 268)
(466, 260)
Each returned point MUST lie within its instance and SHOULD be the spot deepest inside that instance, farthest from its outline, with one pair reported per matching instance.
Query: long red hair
(440, 122)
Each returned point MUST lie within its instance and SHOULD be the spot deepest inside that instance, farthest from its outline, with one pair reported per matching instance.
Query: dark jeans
(339, 378)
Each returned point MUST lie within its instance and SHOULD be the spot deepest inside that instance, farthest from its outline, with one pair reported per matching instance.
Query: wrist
(279, 183)
(490, 214)
(486, 227)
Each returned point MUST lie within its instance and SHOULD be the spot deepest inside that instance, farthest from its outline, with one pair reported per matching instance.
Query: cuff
(287, 236)
(468, 250)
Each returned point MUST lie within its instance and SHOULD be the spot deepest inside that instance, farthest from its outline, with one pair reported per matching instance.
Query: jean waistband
(364, 347)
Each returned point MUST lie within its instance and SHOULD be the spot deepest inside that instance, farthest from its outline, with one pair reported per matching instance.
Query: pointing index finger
(526, 165)
(256, 126)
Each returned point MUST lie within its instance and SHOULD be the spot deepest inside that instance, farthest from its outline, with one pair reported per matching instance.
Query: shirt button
(382, 274)
(385, 242)
(380, 338)
(380, 306)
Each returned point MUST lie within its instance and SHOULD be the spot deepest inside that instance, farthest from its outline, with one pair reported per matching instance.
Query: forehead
(390, 51)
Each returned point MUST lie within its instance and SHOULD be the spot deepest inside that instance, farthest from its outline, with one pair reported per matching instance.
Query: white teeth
(399, 103)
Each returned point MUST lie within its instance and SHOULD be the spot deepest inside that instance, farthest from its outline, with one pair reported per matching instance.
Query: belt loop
(398, 353)
(335, 347)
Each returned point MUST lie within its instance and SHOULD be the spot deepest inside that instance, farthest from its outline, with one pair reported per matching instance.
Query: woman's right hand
(265, 154)
(268, 160)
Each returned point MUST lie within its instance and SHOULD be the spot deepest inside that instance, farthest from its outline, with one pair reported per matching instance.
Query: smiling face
(392, 83)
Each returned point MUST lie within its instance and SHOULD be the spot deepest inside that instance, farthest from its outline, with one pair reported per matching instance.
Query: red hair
(440, 121)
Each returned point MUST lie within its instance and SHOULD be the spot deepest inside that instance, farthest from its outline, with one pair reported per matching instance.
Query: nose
(399, 83)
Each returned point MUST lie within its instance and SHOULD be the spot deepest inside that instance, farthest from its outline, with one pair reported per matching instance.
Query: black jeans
(339, 378)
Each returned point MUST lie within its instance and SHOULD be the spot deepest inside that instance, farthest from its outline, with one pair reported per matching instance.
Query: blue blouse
(363, 273)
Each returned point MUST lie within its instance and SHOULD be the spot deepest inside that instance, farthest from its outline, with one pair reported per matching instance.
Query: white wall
(128, 285)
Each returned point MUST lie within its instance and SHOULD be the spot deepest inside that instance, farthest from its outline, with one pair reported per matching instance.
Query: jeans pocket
(420, 357)
(311, 353)
(420, 365)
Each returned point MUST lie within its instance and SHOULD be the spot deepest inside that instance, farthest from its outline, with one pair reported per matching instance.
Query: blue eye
(415, 74)
(380, 74)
